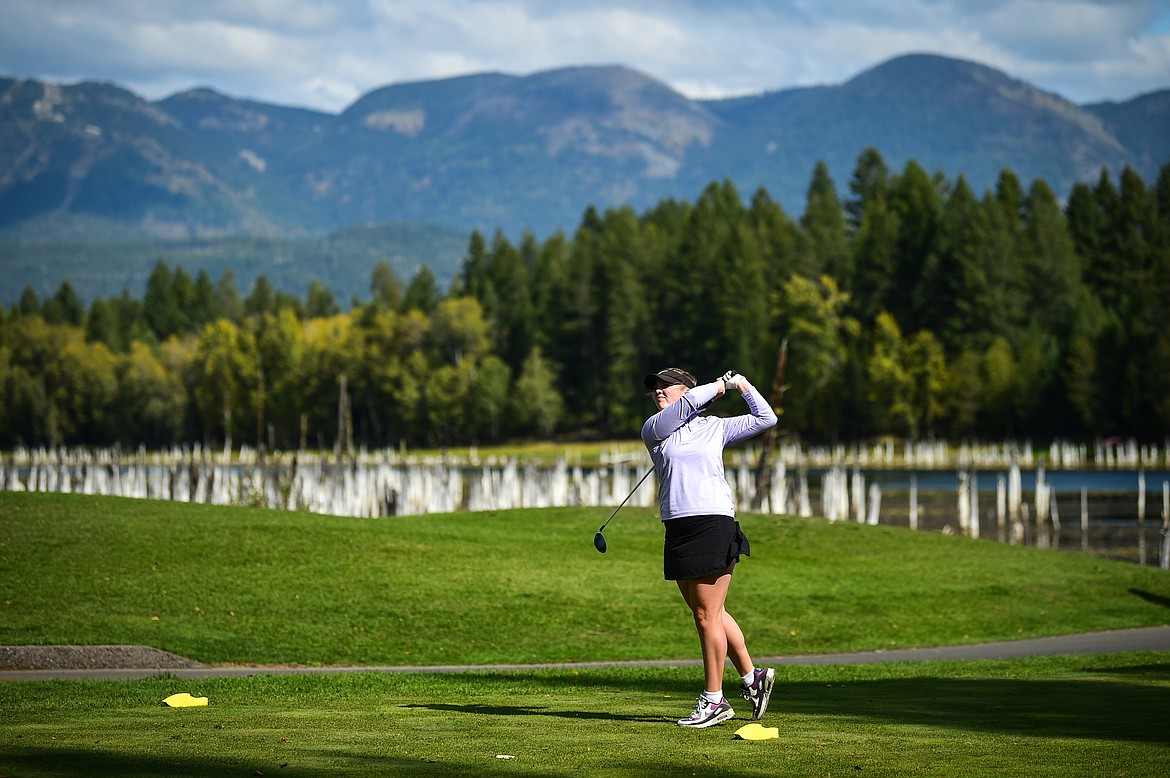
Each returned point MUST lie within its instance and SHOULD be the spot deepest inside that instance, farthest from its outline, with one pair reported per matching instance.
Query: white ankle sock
(751, 674)
(713, 697)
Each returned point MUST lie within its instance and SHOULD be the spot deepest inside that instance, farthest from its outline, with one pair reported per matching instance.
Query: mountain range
(95, 163)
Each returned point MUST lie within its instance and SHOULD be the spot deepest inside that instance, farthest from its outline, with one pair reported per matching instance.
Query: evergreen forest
(912, 305)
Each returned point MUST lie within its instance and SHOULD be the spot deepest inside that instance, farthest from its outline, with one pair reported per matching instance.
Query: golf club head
(599, 541)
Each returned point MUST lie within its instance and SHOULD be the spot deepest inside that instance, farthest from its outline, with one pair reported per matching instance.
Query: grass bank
(237, 585)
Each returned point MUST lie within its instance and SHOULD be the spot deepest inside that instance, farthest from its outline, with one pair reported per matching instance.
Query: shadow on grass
(1149, 671)
(1089, 708)
(95, 762)
(520, 710)
(36, 762)
(1060, 709)
(1156, 599)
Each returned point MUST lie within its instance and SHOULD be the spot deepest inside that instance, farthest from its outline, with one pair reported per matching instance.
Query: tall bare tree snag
(344, 444)
(764, 467)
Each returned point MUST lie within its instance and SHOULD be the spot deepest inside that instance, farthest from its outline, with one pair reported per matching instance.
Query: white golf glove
(732, 378)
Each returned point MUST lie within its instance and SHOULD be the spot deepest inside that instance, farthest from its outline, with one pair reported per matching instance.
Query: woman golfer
(703, 539)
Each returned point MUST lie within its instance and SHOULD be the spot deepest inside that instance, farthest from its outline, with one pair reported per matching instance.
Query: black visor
(671, 375)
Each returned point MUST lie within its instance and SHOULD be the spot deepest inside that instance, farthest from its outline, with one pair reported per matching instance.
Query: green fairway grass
(248, 586)
(239, 585)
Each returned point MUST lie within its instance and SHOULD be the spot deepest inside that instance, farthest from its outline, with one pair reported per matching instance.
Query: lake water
(1061, 481)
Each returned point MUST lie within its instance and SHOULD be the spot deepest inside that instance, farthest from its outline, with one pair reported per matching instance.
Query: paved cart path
(1112, 642)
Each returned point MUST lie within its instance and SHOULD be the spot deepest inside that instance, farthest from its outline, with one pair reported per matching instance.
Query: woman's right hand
(732, 378)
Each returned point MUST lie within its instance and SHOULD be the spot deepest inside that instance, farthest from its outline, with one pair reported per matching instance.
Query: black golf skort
(698, 546)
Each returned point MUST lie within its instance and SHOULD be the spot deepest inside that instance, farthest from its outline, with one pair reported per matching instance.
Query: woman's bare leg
(719, 634)
(737, 646)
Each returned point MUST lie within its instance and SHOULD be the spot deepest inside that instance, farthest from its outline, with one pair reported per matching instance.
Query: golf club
(599, 539)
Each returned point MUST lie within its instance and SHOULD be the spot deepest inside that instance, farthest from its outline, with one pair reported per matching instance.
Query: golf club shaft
(628, 496)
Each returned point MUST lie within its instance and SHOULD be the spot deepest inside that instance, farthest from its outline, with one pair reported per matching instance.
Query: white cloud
(325, 54)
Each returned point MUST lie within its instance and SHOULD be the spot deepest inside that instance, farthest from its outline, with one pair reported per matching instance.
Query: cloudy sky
(324, 55)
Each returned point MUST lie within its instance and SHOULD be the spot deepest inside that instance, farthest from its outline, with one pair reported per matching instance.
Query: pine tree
(262, 298)
(29, 303)
(64, 307)
(1052, 267)
(184, 295)
(473, 278)
(870, 182)
(548, 296)
(875, 251)
(916, 206)
(160, 309)
(1103, 263)
(385, 287)
(1159, 357)
(1136, 230)
(691, 285)
(582, 346)
(625, 318)
(777, 237)
(1002, 307)
(204, 307)
(131, 321)
(739, 304)
(824, 225)
(101, 326)
(320, 302)
(949, 295)
(1053, 291)
(422, 293)
(227, 298)
(513, 319)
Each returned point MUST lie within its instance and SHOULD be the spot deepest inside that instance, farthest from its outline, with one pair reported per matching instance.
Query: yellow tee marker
(184, 700)
(756, 732)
